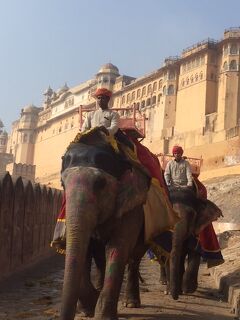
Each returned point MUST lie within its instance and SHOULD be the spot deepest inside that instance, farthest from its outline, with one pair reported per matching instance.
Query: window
(128, 98)
(105, 80)
(187, 81)
(123, 100)
(233, 49)
(143, 104)
(159, 97)
(154, 86)
(225, 66)
(143, 91)
(233, 65)
(201, 76)
(183, 83)
(164, 90)
(225, 50)
(133, 95)
(160, 84)
(138, 93)
(171, 75)
(148, 102)
(154, 100)
(191, 79)
(171, 89)
(149, 89)
(196, 77)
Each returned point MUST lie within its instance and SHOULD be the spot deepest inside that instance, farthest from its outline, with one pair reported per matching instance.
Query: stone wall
(28, 214)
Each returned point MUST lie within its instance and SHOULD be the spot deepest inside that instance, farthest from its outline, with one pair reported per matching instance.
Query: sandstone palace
(192, 100)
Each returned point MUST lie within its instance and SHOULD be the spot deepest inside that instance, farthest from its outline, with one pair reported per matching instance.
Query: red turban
(177, 149)
(103, 92)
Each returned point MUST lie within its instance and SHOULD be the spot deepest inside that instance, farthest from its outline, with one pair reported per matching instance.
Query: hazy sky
(50, 42)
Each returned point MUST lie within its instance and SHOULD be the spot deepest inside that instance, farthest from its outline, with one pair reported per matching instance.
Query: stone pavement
(227, 275)
(36, 294)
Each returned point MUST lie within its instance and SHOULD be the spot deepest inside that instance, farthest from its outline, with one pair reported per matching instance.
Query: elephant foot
(190, 287)
(84, 312)
(131, 303)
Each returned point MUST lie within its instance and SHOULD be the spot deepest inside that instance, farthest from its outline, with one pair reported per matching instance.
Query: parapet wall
(28, 214)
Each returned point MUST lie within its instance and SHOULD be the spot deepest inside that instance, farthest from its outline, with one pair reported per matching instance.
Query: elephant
(99, 205)
(195, 214)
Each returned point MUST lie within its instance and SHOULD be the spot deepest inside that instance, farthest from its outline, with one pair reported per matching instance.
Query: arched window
(149, 89)
(148, 102)
(164, 90)
(160, 84)
(143, 91)
(196, 77)
(159, 97)
(133, 95)
(225, 66)
(154, 86)
(233, 65)
(137, 106)
(128, 98)
(233, 49)
(154, 100)
(143, 104)
(187, 81)
(138, 93)
(201, 76)
(171, 89)
(191, 79)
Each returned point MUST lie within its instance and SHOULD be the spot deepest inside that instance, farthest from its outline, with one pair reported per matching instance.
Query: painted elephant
(99, 206)
(195, 215)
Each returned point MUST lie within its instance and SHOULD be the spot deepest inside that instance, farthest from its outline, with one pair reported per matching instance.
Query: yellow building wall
(190, 110)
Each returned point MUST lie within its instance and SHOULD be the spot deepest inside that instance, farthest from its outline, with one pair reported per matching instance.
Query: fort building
(192, 100)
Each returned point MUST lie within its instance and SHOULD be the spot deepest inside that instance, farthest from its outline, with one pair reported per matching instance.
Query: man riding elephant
(178, 172)
(104, 118)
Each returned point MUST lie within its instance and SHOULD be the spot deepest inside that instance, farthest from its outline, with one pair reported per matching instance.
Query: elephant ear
(133, 190)
(207, 213)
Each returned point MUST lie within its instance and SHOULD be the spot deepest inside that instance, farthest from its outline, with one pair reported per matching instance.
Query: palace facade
(192, 100)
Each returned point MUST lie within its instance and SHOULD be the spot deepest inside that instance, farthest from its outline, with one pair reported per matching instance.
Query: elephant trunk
(175, 265)
(81, 220)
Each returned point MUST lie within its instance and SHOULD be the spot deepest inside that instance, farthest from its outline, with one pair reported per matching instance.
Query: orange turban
(103, 92)
(177, 149)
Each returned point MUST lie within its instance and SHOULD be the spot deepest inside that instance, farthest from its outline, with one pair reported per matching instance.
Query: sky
(50, 42)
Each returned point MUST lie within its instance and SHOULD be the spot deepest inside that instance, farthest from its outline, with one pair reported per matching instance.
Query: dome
(109, 68)
(30, 108)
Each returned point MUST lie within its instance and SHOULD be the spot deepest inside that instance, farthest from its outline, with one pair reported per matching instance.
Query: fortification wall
(28, 215)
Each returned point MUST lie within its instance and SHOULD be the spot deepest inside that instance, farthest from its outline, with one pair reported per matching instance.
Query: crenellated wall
(28, 215)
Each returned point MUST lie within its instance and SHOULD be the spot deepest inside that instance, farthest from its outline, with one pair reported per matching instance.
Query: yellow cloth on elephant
(159, 215)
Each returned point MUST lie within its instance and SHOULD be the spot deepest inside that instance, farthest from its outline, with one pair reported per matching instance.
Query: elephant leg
(190, 278)
(98, 251)
(132, 292)
(88, 294)
(118, 252)
(163, 275)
